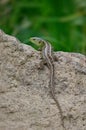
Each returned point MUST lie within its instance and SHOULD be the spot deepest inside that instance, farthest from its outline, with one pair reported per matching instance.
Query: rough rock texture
(25, 102)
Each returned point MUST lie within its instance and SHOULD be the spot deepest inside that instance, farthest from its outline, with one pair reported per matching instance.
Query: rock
(25, 100)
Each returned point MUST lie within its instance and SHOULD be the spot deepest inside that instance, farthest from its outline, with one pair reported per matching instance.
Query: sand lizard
(47, 56)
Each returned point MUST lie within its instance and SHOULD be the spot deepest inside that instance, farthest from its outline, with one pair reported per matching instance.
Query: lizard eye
(34, 39)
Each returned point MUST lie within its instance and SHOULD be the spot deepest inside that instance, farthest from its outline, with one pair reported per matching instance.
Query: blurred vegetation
(62, 22)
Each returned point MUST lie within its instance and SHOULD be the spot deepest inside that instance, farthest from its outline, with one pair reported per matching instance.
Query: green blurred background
(62, 22)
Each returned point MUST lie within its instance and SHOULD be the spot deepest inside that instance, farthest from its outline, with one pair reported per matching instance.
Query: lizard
(47, 56)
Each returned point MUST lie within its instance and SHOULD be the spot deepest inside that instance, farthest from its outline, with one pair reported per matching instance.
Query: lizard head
(36, 40)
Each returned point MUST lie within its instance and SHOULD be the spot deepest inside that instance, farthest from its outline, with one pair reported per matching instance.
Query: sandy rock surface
(25, 100)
